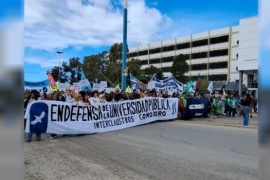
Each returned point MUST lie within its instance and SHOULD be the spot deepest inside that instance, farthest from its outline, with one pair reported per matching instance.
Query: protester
(55, 97)
(110, 97)
(182, 105)
(233, 106)
(217, 107)
(102, 98)
(159, 94)
(251, 106)
(118, 95)
(93, 100)
(223, 103)
(197, 95)
(62, 96)
(26, 102)
(255, 105)
(165, 95)
(44, 97)
(68, 95)
(34, 97)
(144, 94)
(227, 105)
(77, 100)
(246, 103)
(86, 99)
(209, 106)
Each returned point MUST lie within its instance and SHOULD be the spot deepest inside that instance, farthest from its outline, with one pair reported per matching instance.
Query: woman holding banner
(34, 97)
(77, 100)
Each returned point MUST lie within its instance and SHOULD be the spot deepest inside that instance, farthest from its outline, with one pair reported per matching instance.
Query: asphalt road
(165, 150)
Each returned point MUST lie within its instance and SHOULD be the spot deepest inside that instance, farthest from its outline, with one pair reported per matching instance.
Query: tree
(115, 52)
(91, 66)
(69, 72)
(134, 67)
(113, 71)
(55, 74)
(113, 67)
(179, 68)
(74, 68)
(160, 75)
(150, 71)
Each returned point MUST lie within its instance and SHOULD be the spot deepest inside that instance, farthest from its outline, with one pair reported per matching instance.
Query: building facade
(219, 55)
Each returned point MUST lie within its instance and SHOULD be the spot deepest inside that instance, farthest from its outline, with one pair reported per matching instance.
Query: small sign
(76, 85)
(103, 84)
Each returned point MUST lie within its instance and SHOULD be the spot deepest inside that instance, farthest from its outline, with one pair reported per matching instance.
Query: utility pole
(59, 53)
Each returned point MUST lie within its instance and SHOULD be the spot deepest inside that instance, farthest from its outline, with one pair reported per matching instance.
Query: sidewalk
(236, 121)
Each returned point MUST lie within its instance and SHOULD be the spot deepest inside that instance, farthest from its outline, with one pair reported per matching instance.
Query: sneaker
(28, 140)
(66, 135)
(38, 139)
(54, 137)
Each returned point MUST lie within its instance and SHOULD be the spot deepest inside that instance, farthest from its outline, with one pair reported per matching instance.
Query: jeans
(29, 135)
(232, 111)
(246, 115)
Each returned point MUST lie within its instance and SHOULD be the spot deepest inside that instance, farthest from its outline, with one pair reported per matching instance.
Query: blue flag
(87, 86)
(135, 83)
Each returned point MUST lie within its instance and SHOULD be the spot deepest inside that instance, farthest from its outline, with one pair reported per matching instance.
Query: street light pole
(124, 50)
(59, 53)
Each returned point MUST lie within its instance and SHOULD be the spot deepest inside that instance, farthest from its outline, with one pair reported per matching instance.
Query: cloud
(44, 62)
(51, 25)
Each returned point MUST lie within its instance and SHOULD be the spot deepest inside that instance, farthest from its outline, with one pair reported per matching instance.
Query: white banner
(170, 84)
(63, 86)
(150, 85)
(45, 89)
(41, 86)
(58, 117)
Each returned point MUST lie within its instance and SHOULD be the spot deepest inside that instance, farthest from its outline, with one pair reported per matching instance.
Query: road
(164, 150)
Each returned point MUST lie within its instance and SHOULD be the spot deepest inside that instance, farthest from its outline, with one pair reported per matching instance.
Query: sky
(83, 27)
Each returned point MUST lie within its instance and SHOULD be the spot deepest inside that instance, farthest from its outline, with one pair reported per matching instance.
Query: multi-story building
(218, 55)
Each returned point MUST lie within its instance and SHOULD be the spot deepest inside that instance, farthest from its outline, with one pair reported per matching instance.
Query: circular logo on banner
(45, 89)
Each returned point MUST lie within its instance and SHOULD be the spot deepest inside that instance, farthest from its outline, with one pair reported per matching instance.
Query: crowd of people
(227, 104)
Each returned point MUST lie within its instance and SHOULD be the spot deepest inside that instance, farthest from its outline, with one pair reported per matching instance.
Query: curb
(239, 125)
